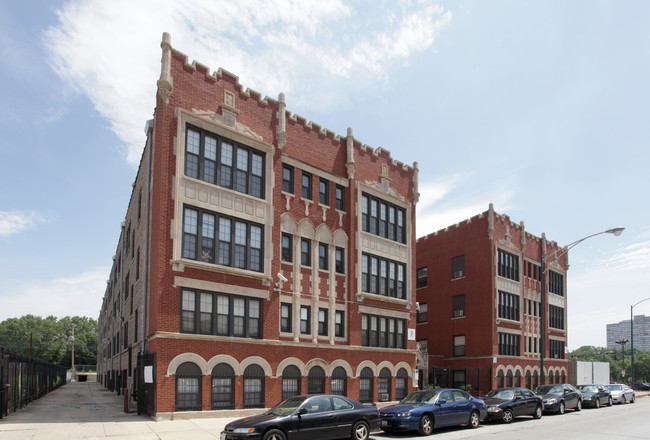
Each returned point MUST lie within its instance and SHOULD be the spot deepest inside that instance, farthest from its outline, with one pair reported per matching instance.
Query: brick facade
(474, 307)
(199, 288)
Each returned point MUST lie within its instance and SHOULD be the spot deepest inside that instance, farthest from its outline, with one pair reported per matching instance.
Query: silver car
(621, 393)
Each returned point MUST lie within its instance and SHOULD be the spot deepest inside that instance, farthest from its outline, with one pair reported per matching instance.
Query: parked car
(423, 411)
(559, 397)
(319, 416)
(642, 386)
(595, 395)
(507, 403)
(621, 393)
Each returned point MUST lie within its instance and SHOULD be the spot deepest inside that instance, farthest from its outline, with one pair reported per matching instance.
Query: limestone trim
(192, 283)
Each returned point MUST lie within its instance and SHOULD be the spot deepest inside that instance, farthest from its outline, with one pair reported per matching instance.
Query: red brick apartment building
(261, 257)
(479, 295)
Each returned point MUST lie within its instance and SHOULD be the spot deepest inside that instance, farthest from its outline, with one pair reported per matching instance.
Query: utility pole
(72, 340)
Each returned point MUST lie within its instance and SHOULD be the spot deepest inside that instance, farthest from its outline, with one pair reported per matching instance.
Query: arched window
(500, 381)
(535, 380)
(550, 378)
(290, 382)
(366, 389)
(339, 381)
(528, 379)
(253, 387)
(557, 377)
(401, 384)
(385, 379)
(509, 378)
(563, 377)
(188, 387)
(223, 387)
(517, 378)
(316, 380)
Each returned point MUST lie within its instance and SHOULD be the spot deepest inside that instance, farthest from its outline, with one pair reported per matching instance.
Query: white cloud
(78, 295)
(110, 51)
(15, 222)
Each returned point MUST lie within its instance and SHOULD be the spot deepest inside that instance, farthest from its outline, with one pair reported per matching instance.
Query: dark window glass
(422, 315)
(380, 331)
(254, 387)
(508, 265)
(383, 385)
(323, 257)
(323, 191)
(287, 179)
(305, 252)
(285, 318)
(458, 306)
(290, 382)
(381, 218)
(287, 248)
(383, 277)
(223, 387)
(366, 379)
(316, 381)
(340, 198)
(556, 317)
(401, 384)
(508, 344)
(422, 277)
(322, 322)
(339, 256)
(458, 267)
(555, 283)
(339, 381)
(459, 345)
(188, 387)
(220, 161)
(306, 186)
(508, 306)
(305, 320)
(339, 324)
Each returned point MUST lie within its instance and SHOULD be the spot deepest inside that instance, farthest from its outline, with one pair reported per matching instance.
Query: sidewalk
(86, 410)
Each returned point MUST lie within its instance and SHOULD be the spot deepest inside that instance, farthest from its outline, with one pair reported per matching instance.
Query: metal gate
(145, 382)
(439, 377)
(4, 384)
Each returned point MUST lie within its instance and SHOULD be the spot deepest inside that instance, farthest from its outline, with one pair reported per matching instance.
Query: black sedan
(595, 395)
(312, 417)
(507, 403)
(559, 397)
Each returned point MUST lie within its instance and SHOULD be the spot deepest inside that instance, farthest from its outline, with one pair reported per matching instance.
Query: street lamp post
(616, 232)
(632, 339)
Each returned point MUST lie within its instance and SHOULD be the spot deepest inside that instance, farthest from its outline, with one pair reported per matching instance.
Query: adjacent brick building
(261, 257)
(479, 295)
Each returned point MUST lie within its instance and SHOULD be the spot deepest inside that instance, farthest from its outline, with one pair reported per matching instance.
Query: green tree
(48, 339)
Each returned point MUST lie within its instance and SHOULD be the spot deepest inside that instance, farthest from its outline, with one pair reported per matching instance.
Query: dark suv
(560, 397)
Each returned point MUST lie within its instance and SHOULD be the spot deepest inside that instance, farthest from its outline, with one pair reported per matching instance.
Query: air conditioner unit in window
(458, 313)
(459, 273)
(383, 397)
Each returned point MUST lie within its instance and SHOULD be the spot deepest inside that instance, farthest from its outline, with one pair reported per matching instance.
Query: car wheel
(538, 412)
(609, 401)
(474, 420)
(508, 416)
(274, 434)
(623, 400)
(560, 410)
(360, 431)
(598, 403)
(426, 425)
(578, 405)
(632, 399)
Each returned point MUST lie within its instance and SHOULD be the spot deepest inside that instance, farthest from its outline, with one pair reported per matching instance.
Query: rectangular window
(458, 267)
(422, 277)
(220, 314)
(556, 317)
(423, 312)
(287, 179)
(459, 345)
(239, 247)
(323, 191)
(323, 257)
(305, 252)
(556, 349)
(458, 306)
(306, 185)
(555, 283)
(322, 322)
(508, 306)
(508, 265)
(287, 247)
(381, 218)
(392, 280)
(340, 198)
(339, 324)
(508, 344)
(305, 320)
(285, 318)
(217, 160)
(339, 256)
(380, 331)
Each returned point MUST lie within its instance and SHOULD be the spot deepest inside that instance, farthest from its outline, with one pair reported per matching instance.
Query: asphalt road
(618, 422)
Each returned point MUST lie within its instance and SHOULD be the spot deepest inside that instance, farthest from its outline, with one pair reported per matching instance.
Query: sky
(539, 107)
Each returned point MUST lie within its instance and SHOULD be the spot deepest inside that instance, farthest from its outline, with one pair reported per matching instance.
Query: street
(615, 422)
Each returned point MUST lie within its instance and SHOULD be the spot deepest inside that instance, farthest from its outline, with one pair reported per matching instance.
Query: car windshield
(421, 397)
(548, 389)
(588, 388)
(614, 387)
(286, 407)
(500, 394)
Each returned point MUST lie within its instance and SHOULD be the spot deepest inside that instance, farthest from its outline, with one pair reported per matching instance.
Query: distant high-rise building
(621, 330)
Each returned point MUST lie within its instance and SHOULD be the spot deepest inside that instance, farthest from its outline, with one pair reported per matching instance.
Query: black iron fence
(24, 379)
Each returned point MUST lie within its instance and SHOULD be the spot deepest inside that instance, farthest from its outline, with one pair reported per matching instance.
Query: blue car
(423, 411)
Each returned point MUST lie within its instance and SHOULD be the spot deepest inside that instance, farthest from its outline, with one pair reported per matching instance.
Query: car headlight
(551, 401)
(403, 414)
(494, 409)
(243, 430)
